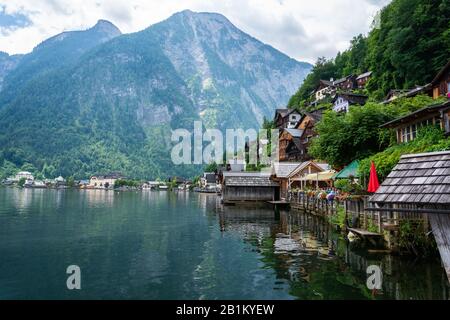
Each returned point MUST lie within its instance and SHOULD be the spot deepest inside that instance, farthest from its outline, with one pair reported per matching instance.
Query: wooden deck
(440, 224)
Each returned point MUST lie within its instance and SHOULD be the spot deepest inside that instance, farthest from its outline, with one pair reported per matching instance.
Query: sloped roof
(247, 179)
(282, 112)
(303, 165)
(326, 82)
(339, 81)
(296, 133)
(349, 171)
(365, 74)
(441, 73)
(284, 169)
(417, 179)
(417, 114)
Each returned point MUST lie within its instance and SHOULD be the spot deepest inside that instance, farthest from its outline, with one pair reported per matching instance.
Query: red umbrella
(373, 181)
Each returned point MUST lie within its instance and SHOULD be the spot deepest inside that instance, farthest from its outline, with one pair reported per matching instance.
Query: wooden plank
(440, 224)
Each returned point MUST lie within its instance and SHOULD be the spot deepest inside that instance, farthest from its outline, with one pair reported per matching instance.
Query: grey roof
(282, 112)
(249, 180)
(365, 74)
(284, 169)
(417, 114)
(296, 133)
(418, 179)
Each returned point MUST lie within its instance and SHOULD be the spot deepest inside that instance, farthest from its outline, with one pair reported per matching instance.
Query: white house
(24, 175)
(343, 101)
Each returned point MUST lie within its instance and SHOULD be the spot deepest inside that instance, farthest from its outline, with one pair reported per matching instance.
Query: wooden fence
(354, 209)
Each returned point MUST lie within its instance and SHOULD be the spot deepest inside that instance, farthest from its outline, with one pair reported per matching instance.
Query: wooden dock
(440, 224)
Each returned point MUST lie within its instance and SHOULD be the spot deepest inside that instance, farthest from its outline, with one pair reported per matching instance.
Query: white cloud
(303, 29)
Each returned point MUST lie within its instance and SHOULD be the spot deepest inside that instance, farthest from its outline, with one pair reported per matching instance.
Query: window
(414, 130)
(405, 134)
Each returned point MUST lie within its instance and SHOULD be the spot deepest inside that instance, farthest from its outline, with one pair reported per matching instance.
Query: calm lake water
(161, 245)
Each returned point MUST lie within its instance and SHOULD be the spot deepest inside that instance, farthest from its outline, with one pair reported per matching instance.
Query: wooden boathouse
(418, 188)
(241, 187)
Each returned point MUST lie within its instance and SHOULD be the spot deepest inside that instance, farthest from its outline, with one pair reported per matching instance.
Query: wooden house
(406, 127)
(286, 118)
(440, 86)
(324, 89)
(408, 93)
(346, 84)
(343, 101)
(290, 145)
(241, 187)
(308, 125)
(362, 79)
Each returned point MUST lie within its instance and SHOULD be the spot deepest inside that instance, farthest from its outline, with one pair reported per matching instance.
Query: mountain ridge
(112, 107)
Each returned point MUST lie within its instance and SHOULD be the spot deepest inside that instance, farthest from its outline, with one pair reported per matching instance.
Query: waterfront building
(23, 175)
(240, 187)
(105, 181)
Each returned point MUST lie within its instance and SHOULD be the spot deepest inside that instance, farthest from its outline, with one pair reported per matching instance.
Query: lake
(163, 245)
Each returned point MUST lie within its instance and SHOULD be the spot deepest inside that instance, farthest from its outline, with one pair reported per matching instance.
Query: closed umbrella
(373, 181)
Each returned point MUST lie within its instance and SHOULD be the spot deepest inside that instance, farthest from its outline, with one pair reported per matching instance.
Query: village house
(343, 101)
(362, 79)
(406, 127)
(346, 84)
(307, 124)
(286, 118)
(294, 143)
(290, 145)
(241, 187)
(324, 89)
(440, 86)
(104, 181)
(23, 175)
(208, 181)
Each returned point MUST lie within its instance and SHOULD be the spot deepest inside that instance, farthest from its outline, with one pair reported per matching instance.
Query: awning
(349, 171)
(321, 176)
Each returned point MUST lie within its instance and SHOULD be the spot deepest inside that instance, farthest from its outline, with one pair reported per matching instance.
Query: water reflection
(319, 264)
(181, 245)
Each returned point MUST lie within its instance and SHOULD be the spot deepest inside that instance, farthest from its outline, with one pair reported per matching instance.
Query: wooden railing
(355, 211)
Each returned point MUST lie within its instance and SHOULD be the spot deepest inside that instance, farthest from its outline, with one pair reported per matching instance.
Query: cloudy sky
(303, 29)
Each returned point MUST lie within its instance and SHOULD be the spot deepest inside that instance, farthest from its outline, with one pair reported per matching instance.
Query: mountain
(96, 101)
(57, 52)
(7, 64)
